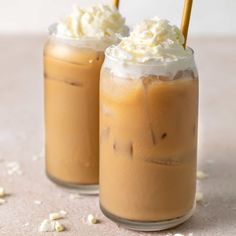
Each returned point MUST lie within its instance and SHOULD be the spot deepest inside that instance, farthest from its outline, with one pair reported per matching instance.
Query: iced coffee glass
(148, 142)
(72, 71)
(73, 57)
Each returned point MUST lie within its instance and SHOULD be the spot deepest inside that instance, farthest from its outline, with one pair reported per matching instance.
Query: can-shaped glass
(148, 142)
(72, 71)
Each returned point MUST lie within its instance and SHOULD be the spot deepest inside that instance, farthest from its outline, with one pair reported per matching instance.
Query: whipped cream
(99, 22)
(152, 40)
(153, 47)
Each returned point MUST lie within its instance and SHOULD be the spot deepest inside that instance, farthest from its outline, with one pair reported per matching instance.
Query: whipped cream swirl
(99, 22)
(154, 40)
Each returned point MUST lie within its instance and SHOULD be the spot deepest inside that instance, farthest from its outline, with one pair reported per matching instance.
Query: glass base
(147, 226)
(84, 189)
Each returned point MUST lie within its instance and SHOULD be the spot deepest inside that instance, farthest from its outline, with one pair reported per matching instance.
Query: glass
(148, 142)
(72, 72)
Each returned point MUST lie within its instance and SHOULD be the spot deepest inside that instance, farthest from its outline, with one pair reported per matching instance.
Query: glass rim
(52, 30)
(150, 63)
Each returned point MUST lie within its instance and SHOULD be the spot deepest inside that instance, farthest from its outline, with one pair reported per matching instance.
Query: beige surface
(21, 125)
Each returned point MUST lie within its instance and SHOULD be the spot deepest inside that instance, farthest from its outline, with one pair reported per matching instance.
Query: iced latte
(148, 129)
(73, 57)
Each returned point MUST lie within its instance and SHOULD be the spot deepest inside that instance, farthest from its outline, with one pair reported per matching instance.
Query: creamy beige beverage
(148, 129)
(73, 57)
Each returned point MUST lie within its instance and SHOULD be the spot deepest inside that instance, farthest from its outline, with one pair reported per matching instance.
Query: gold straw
(116, 3)
(186, 19)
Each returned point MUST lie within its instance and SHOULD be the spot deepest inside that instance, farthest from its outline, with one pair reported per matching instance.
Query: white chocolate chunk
(178, 235)
(59, 227)
(2, 201)
(55, 216)
(37, 202)
(201, 175)
(14, 168)
(199, 196)
(63, 213)
(2, 192)
(92, 219)
(35, 158)
(47, 226)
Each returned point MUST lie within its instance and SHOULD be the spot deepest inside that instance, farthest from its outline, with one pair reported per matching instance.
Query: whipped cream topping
(154, 40)
(99, 22)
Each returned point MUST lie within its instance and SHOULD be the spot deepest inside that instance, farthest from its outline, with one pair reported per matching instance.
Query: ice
(179, 75)
(165, 77)
(153, 137)
(124, 149)
(105, 110)
(167, 162)
(67, 81)
(188, 73)
(148, 80)
(105, 133)
(74, 83)
(163, 135)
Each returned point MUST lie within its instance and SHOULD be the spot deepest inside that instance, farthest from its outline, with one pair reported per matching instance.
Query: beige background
(208, 17)
(23, 25)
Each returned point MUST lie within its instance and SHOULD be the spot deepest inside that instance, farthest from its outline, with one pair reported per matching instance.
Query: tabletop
(31, 196)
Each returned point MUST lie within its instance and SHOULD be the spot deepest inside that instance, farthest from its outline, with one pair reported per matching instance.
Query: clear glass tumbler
(148, 142)
(72, 72)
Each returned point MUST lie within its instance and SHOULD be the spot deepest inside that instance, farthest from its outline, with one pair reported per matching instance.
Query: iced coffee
(148, 129)
(73, 57)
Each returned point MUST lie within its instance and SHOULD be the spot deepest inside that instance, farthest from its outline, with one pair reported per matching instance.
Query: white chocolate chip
(59, 227)
(47, 226)
(42, 153)
(2, 192)
(178, 235)
(55, 216)
(2, 201)
(35, 158)
(63, 213)
(199, 196)
(14, 168)
(201, 175)
(37, 202)
(51, 224)
(90, 61)
(92, 219)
